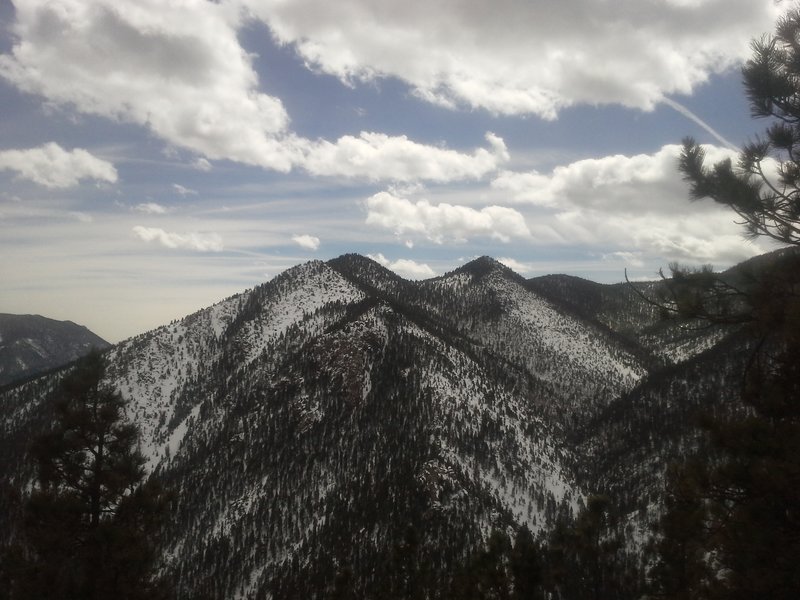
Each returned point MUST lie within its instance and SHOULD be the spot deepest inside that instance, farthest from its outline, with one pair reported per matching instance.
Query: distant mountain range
(30, 345)
(313, 423)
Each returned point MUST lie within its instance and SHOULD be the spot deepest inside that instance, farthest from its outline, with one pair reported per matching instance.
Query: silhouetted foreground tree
(503, 570)
(581, 559)
(732, 526)
(90, 521)
(584, 559)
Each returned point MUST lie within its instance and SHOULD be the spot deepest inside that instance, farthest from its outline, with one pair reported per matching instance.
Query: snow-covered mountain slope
(371, 427)
(31, 345)
(628, 445)
(623, 310)
(164, 373)
(576, 365)
(579, 360)
(338, 415)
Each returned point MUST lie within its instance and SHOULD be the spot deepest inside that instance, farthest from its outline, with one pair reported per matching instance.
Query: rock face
(339, 418)
(30, 345)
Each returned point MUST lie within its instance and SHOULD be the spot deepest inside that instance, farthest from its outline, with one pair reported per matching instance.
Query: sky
(157, 156)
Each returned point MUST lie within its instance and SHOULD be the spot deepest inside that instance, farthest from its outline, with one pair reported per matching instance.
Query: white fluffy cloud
(81, 217)
(309, 242)
(405, 267)
(379, 157)
(177, 68)
(644, 183)
(523, 56)
(202, 242)
(634, 259)
(444, 222)
(53, 167)
(632, 202)
(516, 265)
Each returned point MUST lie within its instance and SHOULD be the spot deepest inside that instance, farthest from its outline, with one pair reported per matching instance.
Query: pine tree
(732, 528)
(592, 549)
(485, 576)
(583, 557)
(682, 571)
(90, 519)
(525, 565)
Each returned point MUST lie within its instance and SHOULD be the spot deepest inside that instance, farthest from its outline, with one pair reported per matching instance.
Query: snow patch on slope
(519, 465)
(565, 336)
(300, 292)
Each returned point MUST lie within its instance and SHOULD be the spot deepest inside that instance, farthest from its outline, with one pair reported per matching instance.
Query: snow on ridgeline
(348, 354)
(521, 469)
(566, 337)
(290, 299)
(576, 361)
(152, 369)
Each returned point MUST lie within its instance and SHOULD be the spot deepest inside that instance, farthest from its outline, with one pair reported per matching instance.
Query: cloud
(176, 67)
(81, 217)
(53, 167)
(202, 242)
(201, 164)
(713, 240)
(405, 267)
(309, 242)
(150, 208)
(631, 203)
(634, 259)
(183, 191)
(444, 222)
(376, 157)
(516, 266)
(523, 56)
(643, 183)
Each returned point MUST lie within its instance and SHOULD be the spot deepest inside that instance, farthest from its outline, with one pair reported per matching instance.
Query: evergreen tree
(585, 556)
(486, 575)
(343, 585)
(525, 565)
(592, 548)
(89, 521)
(682, 569)
(732, 526)
(559, 557)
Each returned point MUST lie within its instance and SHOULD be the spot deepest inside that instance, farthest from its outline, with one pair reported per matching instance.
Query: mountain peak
(352, 261)
(366, 272)
(484, 266)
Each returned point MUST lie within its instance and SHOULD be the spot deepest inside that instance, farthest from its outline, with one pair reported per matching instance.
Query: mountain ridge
(309, 422)
(33, 344)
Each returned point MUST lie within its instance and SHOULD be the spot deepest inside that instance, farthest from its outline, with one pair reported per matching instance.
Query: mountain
(31, 345)
(624, 310)
(341, 419)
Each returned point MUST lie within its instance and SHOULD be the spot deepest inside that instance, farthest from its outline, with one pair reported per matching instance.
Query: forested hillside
(341, 420)
(31, 345)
